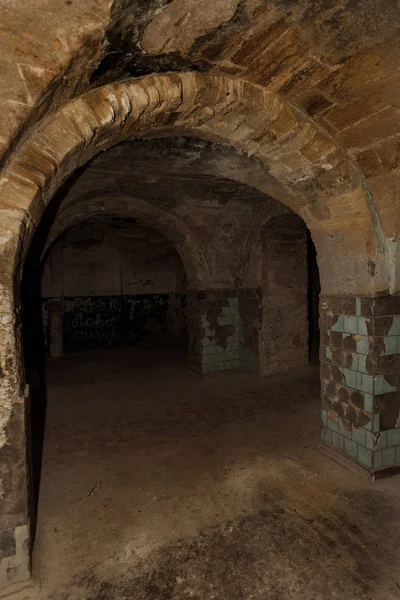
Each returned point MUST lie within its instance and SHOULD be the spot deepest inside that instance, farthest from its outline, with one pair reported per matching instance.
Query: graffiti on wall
(96, 321)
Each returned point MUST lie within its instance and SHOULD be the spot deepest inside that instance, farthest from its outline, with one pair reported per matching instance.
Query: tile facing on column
(360, 378)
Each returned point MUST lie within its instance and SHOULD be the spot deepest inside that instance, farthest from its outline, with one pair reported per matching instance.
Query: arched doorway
(302, 166)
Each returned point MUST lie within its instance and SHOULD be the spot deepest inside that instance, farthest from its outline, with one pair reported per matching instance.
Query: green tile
(362, 345)
(338, 326)
(378, 461)
(368, 402)
(364, 456)
(362, 326)
(385, 458)
(358, 436)
(350, 324)
(359, 380)
(333, 426)
(350, 377)
(324, 417)
(362, 358)
(337, 441)
(393, 437)
(367, 383)
(395, 328)
(350, 448)
(326, 436)
(368, 426)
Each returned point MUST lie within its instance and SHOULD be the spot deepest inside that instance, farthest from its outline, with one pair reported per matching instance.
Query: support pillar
(214, 329)
(360, 377)
(251, 318)
(14, 515)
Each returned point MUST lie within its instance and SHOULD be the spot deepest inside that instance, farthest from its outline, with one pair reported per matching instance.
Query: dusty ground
(158, 485)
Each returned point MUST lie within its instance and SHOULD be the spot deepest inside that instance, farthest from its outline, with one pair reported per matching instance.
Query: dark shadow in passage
(34, 347)
(313, 291)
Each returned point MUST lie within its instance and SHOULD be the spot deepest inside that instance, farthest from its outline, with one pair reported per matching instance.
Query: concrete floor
(158, 485)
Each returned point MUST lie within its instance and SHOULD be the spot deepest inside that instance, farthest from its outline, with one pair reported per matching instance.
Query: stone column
(360, 377)
(214, 329)
(251, 318)
(14, 519)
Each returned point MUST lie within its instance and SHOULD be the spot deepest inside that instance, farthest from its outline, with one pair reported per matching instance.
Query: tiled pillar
(214, 328)
(360, 377)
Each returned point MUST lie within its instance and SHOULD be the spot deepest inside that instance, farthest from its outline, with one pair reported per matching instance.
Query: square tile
(350, 448)
(358, 436)
(395, 328)
(350, 377)
(388, 457)
(378, 385)
(350, 324)
(362, 326)
(367, 383)
(326, 436)
(368, 402)
(362, 359)
(362, 345)
(337, 441)
(338, 325)
(393, 437)
(364, 456)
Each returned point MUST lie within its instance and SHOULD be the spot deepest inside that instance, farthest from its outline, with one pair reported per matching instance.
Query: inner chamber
(157, 293)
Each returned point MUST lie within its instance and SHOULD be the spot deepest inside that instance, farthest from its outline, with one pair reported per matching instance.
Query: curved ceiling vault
(324, 74)
(181, 187)
(319, 182)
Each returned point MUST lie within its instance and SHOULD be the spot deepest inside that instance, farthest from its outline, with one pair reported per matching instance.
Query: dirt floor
(158, 485)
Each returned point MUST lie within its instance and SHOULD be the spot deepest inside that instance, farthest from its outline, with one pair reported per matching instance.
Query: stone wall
(73, 323)
(284, 331)
(251, 317)
(360, 377)
(112, 282)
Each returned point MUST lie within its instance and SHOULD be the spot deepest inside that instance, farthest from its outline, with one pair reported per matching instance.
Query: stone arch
(191, 252)
(312, 176)
(315, 178)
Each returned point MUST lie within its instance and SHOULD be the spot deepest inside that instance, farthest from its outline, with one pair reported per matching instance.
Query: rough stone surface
(296, 100)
